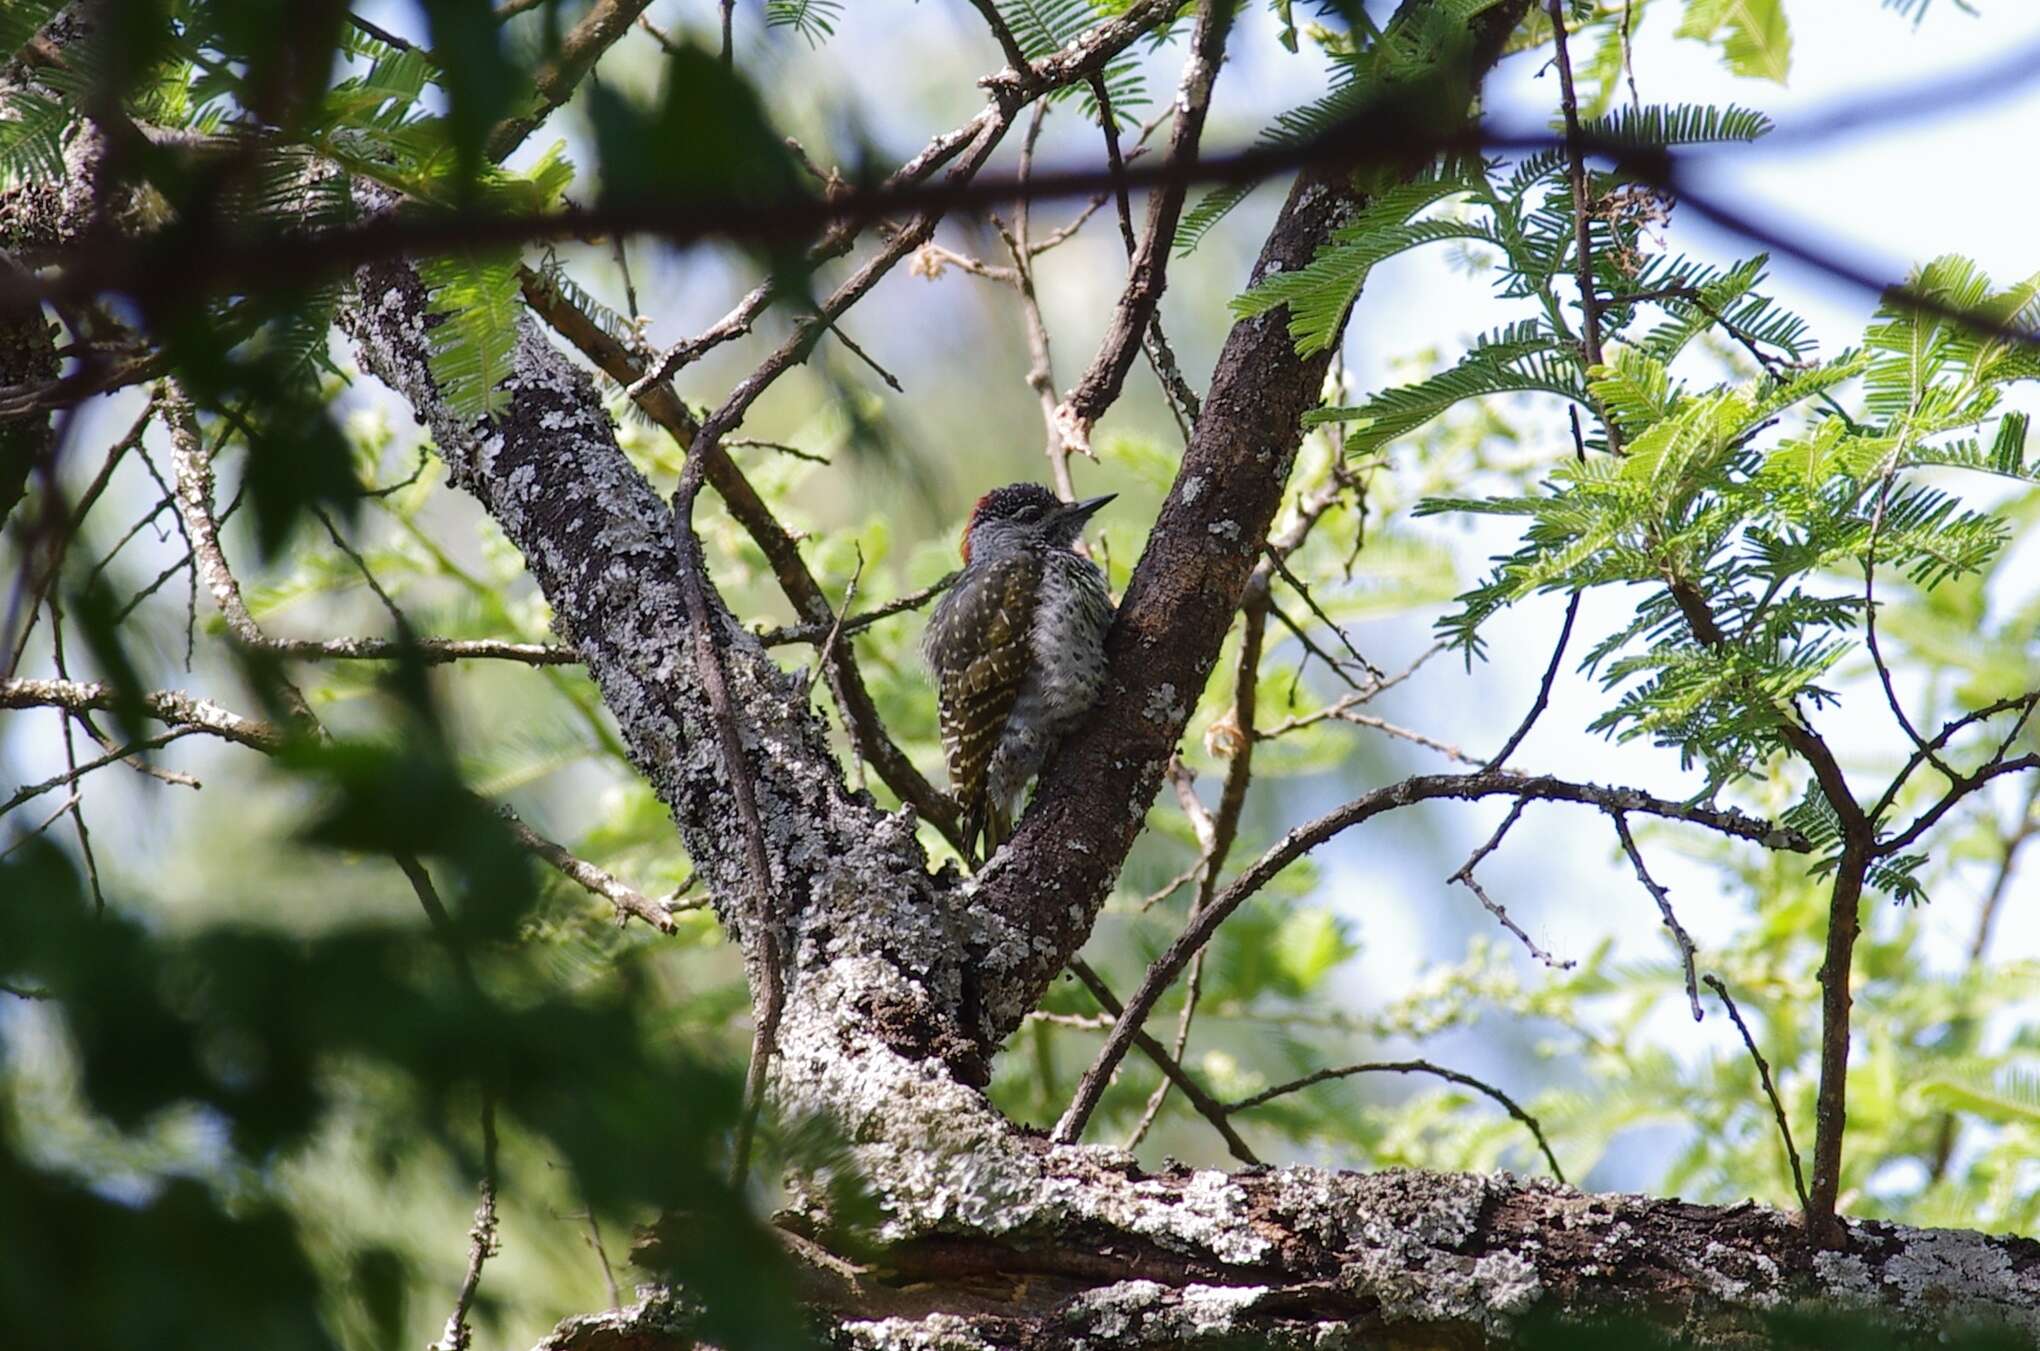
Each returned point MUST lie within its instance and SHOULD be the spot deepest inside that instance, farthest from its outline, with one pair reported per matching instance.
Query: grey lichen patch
(936, 1332)
(1945, 1271)
(1164, 707)
(1510, 1282)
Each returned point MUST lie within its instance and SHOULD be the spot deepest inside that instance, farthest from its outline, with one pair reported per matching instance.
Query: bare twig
(1572, 612)
(1302, 839)
(1010, 45)
(627, 900)
(1590, 305)
(1310, 601)
(1870, 626)
(192, 472)
(815, 633)
(1207, 1106)
(2022, 704)
(482, 1233)
(1222, 828)
(75, 772)
(1102, 380)
(1508, 1103)
(32, 587)
(770, 978)
(604, 22)
(1465, 877)
(1664, 905)
(1770, 1089)
(836, 630)
(166, 706)
(892, 381)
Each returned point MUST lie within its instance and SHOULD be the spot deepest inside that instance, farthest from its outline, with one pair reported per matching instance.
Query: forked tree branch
(1163, 971)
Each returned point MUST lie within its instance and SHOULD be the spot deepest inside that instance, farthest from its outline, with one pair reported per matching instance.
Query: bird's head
(1025, 515)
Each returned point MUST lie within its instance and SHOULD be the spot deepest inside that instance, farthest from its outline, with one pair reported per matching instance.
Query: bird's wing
(981, 661)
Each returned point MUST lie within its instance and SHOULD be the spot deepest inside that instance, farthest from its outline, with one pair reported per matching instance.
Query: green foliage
(1043, 27)
(1398, 75)
(814, 20)
(263, 1031)
(1732, 545)
(32, 138)
(478, 301)
(1319, 294)
(1755, 40)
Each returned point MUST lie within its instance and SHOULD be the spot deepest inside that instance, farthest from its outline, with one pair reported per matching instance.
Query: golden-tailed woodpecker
(1017, 648)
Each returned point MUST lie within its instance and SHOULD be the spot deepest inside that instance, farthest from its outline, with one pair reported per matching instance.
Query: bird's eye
(1029, 513)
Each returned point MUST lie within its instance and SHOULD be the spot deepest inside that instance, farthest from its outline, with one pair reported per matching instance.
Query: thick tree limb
(1089, 1251)
(1054, 874)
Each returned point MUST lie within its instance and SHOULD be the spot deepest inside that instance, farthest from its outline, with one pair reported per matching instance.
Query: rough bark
(1100, 1256)
(1054, 875)
(898, 981)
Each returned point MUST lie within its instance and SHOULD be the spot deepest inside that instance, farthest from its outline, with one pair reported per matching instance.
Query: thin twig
(482, 1233)
(628, 900)
(1770, 1089)
(1008, 43)
(1870, 626)
(1465, 877)
(1302, 839)
(1223, 827)
(892, 381)
(1207, 1106)
(1590, 305)
(814, 633)
(1508, 1103)
(1296, 585)
(1664, 905)
(836, 630)
(74, 773)
(708, 662)
(1572, 612)
(77, 803)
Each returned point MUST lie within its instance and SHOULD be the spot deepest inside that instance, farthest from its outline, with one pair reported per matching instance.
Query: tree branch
(1509, 1104)
(1302, 839)
(1175, 613)
(1100, 384)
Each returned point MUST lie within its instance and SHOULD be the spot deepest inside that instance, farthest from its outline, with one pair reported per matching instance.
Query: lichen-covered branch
(1094, 1253)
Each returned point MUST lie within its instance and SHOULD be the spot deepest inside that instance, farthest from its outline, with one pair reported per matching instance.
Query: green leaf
(1659, 124)
(814, 20)
(32, 138)
(1755, 41)
(481, 82)
(1319, 294)
(1310, 943)
(1518, 360)
(478, 300)
(708, 138)
(2009, 1098)
(1045, 26)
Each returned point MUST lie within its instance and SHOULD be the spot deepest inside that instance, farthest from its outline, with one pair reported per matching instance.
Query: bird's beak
(1081, 511)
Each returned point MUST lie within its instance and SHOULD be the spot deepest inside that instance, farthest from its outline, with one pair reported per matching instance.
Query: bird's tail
(998, 826)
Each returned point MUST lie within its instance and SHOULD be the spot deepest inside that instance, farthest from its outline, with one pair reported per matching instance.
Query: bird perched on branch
(1017, 648)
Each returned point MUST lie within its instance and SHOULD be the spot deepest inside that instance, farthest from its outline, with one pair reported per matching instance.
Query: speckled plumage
(1017, 649)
